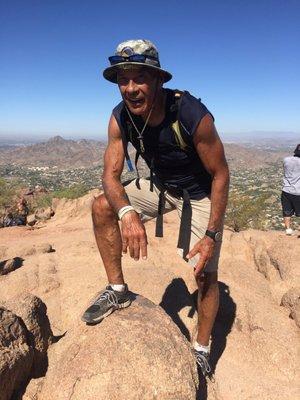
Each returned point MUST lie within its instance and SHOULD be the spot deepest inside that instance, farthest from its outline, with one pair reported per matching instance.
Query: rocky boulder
(16, 355)
(34, 315)
(44, 213)
(31, 219)
(30, 250)
(10, 265)
(137, 353)
(291, 301)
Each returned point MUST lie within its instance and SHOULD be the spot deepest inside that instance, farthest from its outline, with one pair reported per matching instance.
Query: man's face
(138, 87)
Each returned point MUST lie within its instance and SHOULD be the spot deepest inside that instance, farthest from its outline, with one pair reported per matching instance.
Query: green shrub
(72, 192)
(244, 211)
(43, 201)
(8, 192)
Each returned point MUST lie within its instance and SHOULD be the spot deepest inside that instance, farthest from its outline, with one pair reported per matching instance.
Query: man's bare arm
(132, 229)
(113, 167)
(211, 151)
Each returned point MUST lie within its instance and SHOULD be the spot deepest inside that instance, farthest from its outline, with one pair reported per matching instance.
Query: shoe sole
(110, 311)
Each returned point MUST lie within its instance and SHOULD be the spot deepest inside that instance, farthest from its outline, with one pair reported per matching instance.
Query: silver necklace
(140, 133)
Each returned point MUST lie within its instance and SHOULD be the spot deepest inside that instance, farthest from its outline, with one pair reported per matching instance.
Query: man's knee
(101, 208)
(208, 281)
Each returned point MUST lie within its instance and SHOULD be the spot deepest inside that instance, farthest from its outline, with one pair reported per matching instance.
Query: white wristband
(124, 210)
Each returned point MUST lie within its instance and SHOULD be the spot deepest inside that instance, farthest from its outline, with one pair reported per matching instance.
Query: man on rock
(175, 134)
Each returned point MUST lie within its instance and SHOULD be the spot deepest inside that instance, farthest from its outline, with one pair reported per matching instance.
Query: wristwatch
(215, 235)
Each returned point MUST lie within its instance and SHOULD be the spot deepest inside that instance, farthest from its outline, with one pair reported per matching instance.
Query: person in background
(290, 196)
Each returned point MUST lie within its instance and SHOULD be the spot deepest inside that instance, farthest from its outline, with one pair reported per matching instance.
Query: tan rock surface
(33, 313)
(254, 342)
(16, 356)
(137, 353)
(40, 248)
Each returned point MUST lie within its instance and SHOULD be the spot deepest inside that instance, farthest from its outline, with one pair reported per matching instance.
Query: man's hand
(134, 236)
(205, 249)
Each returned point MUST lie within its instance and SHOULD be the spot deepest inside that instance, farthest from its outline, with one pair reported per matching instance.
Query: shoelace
(202, 361)
(110, 296)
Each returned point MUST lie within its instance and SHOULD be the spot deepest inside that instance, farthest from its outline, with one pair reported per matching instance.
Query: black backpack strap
(181, 132)
(137, 181)
(160, 212)
(185, 229)
(125, 148)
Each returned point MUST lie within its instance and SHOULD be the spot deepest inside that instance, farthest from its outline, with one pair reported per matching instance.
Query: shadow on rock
(223, 324)
(202, 389)
(175, 298)
(56, 339)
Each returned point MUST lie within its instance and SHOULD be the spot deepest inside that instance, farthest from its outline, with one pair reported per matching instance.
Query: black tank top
(172, 165)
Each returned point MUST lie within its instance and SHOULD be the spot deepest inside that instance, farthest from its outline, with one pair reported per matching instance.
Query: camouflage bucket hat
(134, 53)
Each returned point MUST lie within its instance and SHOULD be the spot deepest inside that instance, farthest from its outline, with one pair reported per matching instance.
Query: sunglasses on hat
(133, 58)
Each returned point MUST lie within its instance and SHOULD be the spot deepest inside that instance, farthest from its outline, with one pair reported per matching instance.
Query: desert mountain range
(85, 153)
(143, 352)
(56, 152)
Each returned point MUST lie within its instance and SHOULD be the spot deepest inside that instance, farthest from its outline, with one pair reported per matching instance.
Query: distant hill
(56, 152)
(85, 153)
(239, 156)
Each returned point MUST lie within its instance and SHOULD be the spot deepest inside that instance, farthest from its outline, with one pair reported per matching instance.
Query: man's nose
(132, 87)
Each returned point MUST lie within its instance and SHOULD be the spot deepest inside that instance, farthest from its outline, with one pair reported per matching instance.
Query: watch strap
(212, 234)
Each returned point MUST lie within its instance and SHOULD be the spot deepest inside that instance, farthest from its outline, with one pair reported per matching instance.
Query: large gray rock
(137, 353)
(34, 314)
(10, 265)
(295, 314)
(291, 298)
(31, 219)
(16, 356)
(291, 301)
(44, 213)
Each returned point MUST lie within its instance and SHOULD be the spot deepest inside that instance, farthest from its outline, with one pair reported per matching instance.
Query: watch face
(218, 236)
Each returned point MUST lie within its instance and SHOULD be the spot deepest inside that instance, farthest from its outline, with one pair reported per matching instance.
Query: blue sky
(242, 58)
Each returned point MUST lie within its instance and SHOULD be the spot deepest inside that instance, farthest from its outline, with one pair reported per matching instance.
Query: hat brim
(110, 73)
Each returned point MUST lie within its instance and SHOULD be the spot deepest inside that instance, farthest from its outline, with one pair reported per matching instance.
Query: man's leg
(109, 242)
(108, 238)
(208, 304)
(287, 222)
(208, 290)
(106, 226)
(287, 211)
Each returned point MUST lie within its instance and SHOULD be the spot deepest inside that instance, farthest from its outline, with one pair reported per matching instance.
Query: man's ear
(160, 79)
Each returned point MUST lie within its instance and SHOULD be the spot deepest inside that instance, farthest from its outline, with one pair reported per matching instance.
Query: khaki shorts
(145, 203)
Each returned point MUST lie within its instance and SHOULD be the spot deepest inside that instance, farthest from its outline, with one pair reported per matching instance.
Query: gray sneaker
(202, 360)
(105, 303)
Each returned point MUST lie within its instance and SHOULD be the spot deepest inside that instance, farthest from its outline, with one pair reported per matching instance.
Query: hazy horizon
(13, 138)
